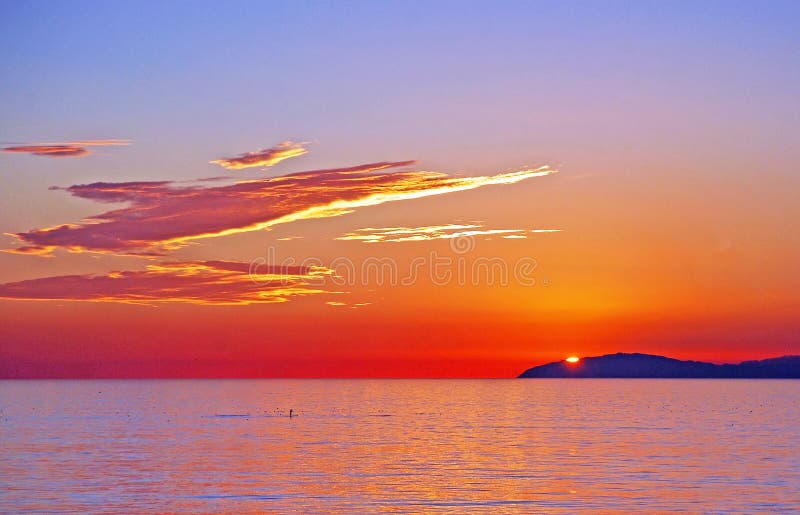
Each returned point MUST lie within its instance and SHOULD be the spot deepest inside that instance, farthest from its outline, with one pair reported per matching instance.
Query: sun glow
(573, 359)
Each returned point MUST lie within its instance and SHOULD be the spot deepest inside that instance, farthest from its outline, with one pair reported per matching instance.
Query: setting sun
(573, 359)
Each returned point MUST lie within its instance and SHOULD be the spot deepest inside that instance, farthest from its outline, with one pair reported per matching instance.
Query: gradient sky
(673, 127)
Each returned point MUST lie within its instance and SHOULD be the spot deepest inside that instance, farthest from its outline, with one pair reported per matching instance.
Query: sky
(395, 189)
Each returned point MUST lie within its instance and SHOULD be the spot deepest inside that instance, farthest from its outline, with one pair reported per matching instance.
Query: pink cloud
(264, 157)
(193, 282)
(163, 216)
(66, 149)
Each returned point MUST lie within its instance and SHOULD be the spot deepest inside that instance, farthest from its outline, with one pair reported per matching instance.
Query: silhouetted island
(634, 365)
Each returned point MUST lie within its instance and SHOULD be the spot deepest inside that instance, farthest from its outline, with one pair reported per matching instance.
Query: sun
(573, 359)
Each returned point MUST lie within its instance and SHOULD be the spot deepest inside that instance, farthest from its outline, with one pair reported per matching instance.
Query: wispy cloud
(63, 149)
(264, 157)
(193, 282)
(345, 304)
(163, 216)
(433, 232)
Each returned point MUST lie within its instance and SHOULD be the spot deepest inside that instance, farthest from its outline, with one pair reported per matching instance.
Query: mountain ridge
(639, 365)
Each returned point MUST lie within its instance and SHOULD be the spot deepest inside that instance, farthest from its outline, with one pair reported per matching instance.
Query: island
(637, 365)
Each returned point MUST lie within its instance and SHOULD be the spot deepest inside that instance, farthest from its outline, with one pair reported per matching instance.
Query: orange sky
(608, 282)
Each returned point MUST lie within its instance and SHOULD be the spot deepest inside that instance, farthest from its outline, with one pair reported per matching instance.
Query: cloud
(433, 232)
(163, 216)
(192, 282)
(66, 149)
(345, 304)
(49, 150)
(265, 157)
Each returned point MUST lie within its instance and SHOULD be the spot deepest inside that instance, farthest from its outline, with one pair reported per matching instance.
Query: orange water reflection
(505, 446)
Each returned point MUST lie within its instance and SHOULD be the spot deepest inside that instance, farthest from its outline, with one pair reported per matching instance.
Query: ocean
(399, 446)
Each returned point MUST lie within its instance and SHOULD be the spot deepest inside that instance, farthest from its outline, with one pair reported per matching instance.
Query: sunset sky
(407, 189)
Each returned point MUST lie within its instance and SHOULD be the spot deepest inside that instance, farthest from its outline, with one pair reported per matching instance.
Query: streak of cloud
(163, 216)
(192, 282)
(433, 232)
(264, 158)
(65, 149)
(345, 304)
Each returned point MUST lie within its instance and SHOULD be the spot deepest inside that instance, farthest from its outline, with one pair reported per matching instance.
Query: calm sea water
(366, 446)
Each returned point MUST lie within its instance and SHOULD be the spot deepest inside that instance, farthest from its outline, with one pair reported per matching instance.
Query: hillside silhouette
(636, 365)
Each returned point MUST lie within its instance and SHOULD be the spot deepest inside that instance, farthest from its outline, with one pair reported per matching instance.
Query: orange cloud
(432, 232)
(162, 216)
(345, 304)
(192, 282)
(265, 157)
(66, 149)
